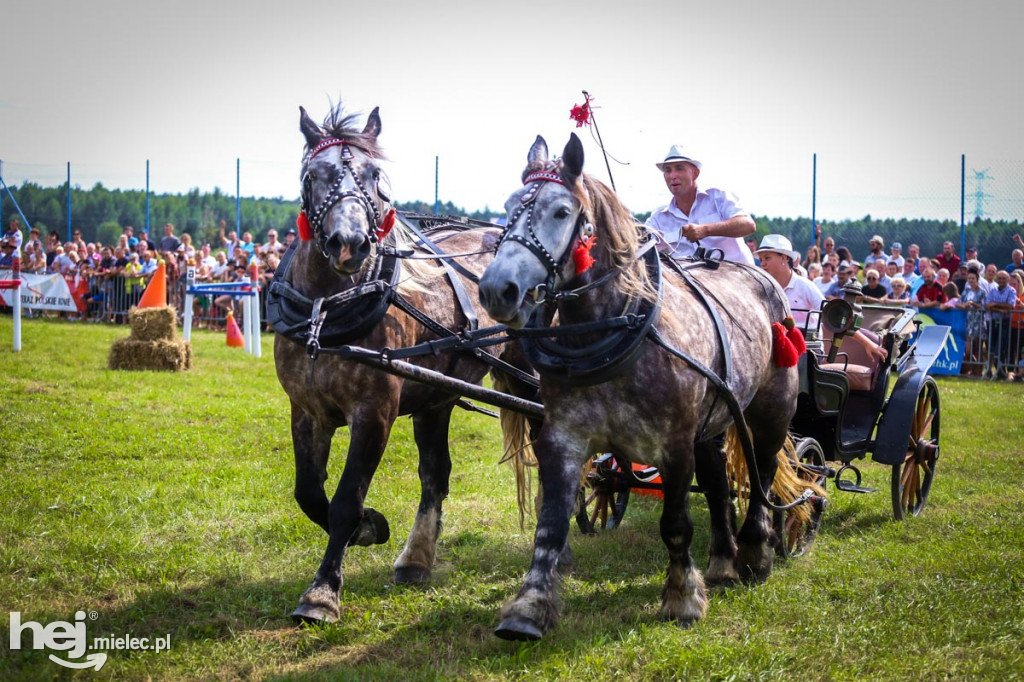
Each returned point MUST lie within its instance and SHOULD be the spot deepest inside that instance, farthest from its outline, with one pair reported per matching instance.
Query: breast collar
(338, 319)
(610, 356)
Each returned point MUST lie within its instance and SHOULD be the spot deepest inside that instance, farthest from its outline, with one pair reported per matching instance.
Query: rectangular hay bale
(153, 324)
(162, 355)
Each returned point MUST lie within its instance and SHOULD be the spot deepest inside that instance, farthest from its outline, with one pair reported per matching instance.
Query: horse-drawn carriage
(849, 406)
(630, 359)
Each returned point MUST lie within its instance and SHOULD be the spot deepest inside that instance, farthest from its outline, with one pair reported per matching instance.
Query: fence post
(16, 275)
(963, 184)
(246, 310)
(254, 308)
(814, 198)
(190, 281)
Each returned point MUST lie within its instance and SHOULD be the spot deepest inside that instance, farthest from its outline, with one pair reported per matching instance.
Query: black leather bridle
(316, 215)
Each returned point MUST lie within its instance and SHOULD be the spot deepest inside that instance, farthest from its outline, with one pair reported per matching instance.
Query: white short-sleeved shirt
(711, 206)
(803, 295)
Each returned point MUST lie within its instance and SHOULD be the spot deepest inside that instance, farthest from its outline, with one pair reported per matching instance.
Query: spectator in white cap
(877, 246)
(895, 256)
(710, 216)
(777, 254)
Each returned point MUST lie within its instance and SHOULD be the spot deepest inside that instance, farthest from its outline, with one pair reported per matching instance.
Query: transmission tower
(980, 177)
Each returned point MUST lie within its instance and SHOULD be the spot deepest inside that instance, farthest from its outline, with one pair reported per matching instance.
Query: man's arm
(737, 226)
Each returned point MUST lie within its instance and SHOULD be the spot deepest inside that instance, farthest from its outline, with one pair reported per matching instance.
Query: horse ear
(373, 123)
(538, 156)
(309, 129)
(572, 159)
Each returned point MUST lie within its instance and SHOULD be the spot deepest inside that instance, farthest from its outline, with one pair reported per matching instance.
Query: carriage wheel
(602, 500)
(912, 480)
(796, 535)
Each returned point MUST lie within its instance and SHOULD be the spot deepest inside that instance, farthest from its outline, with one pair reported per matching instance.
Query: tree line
(101, 214)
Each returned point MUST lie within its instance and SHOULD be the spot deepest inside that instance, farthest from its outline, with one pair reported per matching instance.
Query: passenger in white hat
(710, 216)
(777, 254)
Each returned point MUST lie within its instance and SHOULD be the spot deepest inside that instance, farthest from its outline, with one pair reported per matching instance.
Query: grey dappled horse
(657, 410)
(347, 214)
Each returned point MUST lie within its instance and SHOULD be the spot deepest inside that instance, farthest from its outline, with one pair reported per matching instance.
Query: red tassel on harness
(386, 225)
(305, 231)
(581, 255)
(782, 348)
(795, 336)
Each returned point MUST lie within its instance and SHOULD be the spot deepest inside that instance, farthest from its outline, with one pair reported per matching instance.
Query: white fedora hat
(778, 244)
(676, 153)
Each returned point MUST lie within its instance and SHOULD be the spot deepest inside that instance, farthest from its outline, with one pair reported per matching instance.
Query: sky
(888, 95)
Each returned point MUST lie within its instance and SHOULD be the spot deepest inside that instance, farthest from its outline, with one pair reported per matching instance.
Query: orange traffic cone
(235, 337)
(155, 295)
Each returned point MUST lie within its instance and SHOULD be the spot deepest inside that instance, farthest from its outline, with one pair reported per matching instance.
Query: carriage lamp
(842, 317)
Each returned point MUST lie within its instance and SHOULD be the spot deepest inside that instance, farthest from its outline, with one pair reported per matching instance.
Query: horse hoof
(313, 614)
(373, 529)
(412, 575)
(518, 630)
(756, 565)
(720, 583)
(685, 623)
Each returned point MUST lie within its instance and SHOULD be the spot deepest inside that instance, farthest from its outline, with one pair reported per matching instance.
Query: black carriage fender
(891, 438)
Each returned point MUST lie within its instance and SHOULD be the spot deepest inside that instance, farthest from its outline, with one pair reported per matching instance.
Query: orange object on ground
(155, 295)
(235, 337)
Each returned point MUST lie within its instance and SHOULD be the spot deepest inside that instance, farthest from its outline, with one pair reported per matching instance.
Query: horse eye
(562, 213)
(312, 175)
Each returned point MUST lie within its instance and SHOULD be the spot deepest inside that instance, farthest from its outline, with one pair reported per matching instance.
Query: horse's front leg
(430, 428)
(311, 444)
(346, 516)
(534, 611)
(713, 479)
(683, 598)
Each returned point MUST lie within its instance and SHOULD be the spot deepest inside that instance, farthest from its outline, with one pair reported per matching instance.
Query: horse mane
(617, 235)
(346, 126)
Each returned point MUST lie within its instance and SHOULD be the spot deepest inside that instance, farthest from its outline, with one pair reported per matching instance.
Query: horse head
(547, 219)
(343, 205)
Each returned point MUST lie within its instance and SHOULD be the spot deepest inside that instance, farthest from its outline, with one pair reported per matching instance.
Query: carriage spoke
(908, 466)
(927, 426)
(595, 511)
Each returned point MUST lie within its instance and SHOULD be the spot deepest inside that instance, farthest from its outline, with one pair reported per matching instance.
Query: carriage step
(848, 487)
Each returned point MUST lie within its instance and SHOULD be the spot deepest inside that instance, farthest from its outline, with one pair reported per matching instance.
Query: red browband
(331, 142)
(543, 176)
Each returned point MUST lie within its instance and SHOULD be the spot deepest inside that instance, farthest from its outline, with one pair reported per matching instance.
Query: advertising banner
(41, 292)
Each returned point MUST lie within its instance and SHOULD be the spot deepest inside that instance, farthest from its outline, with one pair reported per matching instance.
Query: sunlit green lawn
(163, 502)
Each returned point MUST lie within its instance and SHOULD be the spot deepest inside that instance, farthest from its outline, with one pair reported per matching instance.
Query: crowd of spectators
(110, 278)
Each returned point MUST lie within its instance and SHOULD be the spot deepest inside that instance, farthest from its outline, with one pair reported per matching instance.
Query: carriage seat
(861, 370)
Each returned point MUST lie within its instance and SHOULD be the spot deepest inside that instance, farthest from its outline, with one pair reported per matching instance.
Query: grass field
(163, 503)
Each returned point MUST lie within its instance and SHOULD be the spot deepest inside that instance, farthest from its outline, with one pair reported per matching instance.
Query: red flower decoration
(581, 113)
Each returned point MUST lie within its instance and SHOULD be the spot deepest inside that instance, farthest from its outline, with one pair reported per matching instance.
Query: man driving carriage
(710, 216)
